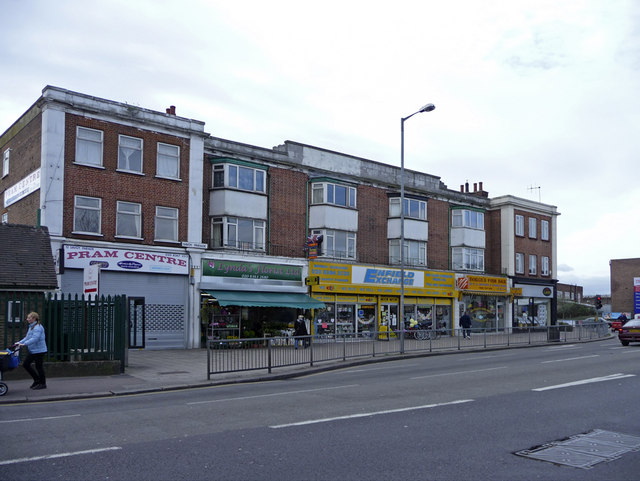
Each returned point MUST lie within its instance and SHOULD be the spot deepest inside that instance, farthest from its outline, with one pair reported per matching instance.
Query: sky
(535, 98)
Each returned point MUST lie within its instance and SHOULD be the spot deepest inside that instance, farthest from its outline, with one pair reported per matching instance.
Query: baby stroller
(9, 359)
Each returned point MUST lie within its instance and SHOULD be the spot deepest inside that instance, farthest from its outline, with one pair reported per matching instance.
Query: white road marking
(377, 368)
(287, 393)
(567, 346)
(60, 455)
(375, 413)
(458, 373)
(612, 377)
(571, 358)
(27, 420)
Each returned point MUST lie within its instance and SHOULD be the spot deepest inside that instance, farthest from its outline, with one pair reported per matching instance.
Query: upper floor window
(544, 230)
(519, 225)
(166, 224)
(87, 215)
(544, 266)
(413, 208)
(5, 162)
(337, 243)
(533, 265)
(129, 154)
(415, 252)
(238, 233)
(128, 219)
(532, 228)
(89, 146)
(467, 259)
(337, 194)
(467, 218)
(168, 161)
(519, 263)
(239, 177)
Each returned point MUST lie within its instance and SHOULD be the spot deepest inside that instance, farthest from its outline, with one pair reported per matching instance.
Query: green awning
(265, 299)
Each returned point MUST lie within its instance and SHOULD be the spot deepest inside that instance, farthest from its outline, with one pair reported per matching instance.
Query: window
(544, 266)
(5, 218)
(338, 243)
(416, 209)
(467, 218)
(328, 193)
(532, 228)
(87, 215)
(128, 219)
(519, 263)
(520, 225)
(238, 233)
(166, 224)
(5, 162)
(465, 258)
(544, 230)
(239, 177)
(168, 161)
(14, 311)
(130, 154)
(88, 146)
(415, 252)
(533, 265)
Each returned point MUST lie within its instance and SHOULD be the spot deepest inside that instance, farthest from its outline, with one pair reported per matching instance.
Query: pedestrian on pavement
(465, 323)
(37, 346)
(300, 329)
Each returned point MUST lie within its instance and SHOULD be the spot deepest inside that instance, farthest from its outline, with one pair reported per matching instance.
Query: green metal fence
(77, 329)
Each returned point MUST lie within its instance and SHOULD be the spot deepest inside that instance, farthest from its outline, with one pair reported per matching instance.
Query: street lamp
(426, 108)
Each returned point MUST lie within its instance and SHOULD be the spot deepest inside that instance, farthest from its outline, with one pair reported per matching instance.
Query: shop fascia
(250, 275)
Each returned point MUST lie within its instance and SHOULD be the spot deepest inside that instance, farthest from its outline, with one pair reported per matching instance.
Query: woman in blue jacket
(35, 342)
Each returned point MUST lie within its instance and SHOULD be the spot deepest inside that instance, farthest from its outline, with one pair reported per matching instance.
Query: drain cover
(585, 450)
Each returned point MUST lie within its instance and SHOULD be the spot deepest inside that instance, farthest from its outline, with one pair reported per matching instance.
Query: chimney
(475, 187)
(171, 110)
(466, 187)
(480, 189)
(461, 188)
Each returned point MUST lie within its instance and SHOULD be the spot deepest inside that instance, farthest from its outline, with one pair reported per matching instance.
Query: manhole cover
(584, 450)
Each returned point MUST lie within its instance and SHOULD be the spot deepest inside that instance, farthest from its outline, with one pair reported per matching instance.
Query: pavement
(147, 371)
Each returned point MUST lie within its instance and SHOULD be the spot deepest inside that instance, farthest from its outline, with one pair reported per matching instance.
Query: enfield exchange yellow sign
(358, 279)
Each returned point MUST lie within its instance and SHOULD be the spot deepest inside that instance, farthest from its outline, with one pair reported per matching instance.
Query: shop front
(246, 299)
(485, 299)
(534, 304)
(360, 300)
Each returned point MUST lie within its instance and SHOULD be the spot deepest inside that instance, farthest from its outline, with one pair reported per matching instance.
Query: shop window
(87, 215)
(89, 146)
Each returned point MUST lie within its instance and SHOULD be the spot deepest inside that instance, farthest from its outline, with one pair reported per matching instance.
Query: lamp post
(426, 108)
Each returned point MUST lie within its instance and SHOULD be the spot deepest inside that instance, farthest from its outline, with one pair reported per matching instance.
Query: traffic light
(598, 302)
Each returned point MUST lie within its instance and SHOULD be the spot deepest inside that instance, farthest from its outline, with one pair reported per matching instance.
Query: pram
(9, 359)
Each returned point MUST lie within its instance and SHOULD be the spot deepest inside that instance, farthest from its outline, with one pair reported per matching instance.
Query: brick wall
(373, 212)
(438, 245)
(288, 212)
(622, 273)
(25, 158)
(538, 247)
(492, 253)
(112, 186)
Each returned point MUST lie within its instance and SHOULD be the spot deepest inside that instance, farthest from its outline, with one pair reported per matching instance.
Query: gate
(136, 322)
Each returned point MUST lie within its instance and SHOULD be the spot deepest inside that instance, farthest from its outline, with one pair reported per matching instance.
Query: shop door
(136, 322)
(367, 320)
(346, 319)
(389, 316)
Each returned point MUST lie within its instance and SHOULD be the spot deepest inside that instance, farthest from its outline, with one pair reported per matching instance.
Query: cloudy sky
(534, 98)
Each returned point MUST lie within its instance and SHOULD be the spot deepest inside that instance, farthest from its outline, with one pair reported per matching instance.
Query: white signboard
(125, 260)
(91, 281)
(26, 186)
(382, 277)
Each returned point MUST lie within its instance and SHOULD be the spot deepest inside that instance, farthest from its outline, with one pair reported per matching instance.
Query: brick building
(625, 285)
(211, 237)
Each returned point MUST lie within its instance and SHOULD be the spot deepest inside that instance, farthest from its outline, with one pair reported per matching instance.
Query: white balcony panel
(237, 204)
(330, 217)
(463, 237)
(413, 229)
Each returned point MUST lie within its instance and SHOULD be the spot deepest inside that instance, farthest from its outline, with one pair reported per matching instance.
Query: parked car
(630, 332)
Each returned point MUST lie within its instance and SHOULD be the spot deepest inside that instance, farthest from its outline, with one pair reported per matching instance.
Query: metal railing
(234, 355)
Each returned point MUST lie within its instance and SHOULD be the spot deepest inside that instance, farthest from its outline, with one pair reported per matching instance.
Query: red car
(630, 332)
